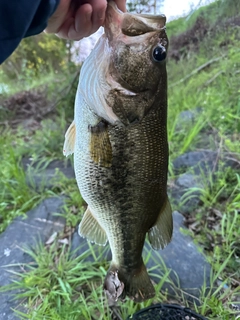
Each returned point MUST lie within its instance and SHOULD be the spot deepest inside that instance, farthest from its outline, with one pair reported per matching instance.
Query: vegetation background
(37, 90)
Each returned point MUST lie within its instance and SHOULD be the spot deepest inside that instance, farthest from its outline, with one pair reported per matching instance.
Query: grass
(16, 197)
(61, 286)
(70, 282)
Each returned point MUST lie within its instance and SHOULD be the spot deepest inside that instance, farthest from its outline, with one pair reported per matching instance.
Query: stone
(187, 182)
(187, 118)
(39, 225)
(194, 169)
(202, 162)
(188, 267)
(199, 161)
(41, 178)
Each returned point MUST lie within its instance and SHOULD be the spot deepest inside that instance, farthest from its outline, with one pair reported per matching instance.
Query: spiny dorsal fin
(70, 138)
(161, 233)
(89, 228)
(100, 145)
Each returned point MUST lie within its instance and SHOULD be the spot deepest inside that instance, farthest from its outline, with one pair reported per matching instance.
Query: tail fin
(137, 284)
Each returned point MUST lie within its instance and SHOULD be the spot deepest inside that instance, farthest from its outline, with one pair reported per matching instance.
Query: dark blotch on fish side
(100, 146)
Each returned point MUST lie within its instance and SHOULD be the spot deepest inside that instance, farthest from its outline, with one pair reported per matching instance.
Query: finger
(65, 27)
(98, 16)
(83, 21)
(78, 27)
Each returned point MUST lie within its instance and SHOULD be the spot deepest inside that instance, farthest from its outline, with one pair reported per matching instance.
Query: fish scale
(121, 150)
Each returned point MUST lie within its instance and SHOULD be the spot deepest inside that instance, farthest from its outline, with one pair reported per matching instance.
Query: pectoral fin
(100, 145)
(89, 228)
(161, 233)
(70, 138)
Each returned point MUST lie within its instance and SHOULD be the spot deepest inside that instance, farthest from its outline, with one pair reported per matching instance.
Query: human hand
(76, 19)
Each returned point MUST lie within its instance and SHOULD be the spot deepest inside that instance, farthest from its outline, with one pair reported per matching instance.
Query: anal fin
(161, 233)
(70, 138)
(89, 228)
(100, 145)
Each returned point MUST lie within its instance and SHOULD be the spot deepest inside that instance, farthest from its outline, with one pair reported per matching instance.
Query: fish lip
(113, 13)
(119, 23)
(142, 15)
(114, 7)
(151, 16)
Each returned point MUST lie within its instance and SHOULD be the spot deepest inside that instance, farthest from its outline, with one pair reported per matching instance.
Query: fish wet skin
(119, 141)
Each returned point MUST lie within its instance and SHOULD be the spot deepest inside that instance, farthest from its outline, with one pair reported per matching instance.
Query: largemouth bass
(119, 141)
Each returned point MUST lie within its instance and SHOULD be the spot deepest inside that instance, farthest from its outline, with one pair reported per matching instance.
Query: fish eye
(159, 53)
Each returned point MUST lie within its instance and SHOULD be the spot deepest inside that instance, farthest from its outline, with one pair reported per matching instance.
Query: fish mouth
(129, 24)
(119, 84)
(128, 90)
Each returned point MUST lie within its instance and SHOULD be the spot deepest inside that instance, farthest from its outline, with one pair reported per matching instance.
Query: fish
(119, 141)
